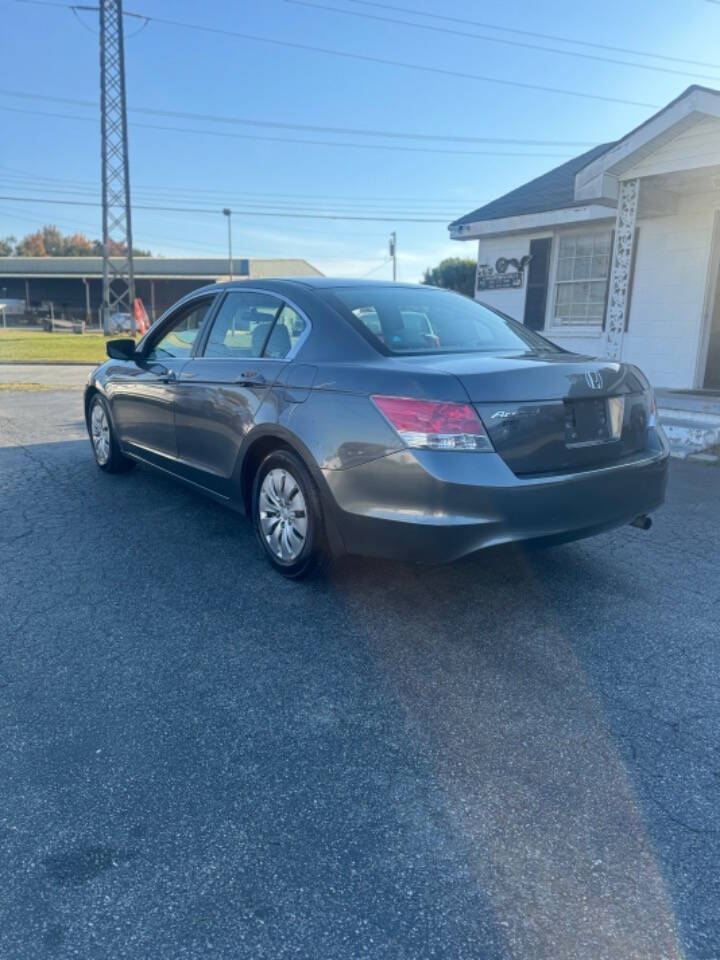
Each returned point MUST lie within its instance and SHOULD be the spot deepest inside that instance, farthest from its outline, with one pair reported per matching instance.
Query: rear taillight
(432, 425)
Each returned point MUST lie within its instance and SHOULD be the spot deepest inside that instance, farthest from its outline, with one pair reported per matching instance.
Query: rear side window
(285, 334)
(243, 325)
(429, 320)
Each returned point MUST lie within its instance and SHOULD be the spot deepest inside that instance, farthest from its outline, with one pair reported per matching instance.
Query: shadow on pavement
(515, 756)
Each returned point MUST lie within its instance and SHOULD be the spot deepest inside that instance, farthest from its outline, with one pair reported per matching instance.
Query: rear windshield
(429, 320)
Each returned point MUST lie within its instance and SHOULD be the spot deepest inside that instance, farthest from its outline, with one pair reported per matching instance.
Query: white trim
(591, 331)
(532, 222)
(580, 333)
(599, 179)
(711, 292)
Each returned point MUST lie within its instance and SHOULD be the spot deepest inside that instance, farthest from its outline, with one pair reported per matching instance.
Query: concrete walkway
(62, 376)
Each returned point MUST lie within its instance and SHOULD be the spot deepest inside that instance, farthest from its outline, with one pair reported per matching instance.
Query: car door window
(177, 339)
(288, 329)
(242, 325)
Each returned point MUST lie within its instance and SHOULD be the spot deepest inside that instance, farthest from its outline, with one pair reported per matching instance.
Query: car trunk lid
(555, 412)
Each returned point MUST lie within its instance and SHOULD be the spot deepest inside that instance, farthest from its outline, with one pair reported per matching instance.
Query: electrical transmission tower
(118, 275)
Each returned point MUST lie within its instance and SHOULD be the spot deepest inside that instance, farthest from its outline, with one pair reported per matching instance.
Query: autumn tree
(32, 245)
(50, 242)
(53, 241)
(77, 245)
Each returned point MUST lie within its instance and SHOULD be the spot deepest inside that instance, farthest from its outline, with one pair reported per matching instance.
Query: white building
(616, 253)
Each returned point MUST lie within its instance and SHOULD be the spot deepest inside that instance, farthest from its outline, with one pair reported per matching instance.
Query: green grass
(37, 345)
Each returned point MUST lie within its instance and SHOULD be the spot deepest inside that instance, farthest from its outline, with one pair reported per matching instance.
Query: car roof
(308, 282)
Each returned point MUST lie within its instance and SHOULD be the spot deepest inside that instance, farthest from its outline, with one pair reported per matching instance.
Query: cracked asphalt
(514, 757)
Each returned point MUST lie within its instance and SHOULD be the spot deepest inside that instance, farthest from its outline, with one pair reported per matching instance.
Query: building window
(581, 279)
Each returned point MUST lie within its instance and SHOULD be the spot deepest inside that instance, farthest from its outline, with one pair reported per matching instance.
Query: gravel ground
(514, 757)
(63, 376)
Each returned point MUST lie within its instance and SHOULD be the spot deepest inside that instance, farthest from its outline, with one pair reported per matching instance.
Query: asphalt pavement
(514, 757)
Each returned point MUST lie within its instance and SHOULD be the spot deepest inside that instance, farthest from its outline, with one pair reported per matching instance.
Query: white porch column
(628, 194)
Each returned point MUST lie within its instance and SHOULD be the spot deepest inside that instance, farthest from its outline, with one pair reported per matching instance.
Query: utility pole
(118, 273)
(392, 247)
(228, 213)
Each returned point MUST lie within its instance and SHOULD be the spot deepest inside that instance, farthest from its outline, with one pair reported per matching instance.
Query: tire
(296, 544)
(103, 440)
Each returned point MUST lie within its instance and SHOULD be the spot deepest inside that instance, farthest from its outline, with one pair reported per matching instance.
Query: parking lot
(514, 757)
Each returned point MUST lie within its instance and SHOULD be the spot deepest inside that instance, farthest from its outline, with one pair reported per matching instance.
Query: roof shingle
(554, 190)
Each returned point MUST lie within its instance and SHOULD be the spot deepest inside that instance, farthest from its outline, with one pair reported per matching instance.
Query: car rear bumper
(435, 507)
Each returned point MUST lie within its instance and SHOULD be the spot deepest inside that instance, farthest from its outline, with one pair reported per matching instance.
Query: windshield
(428, 320)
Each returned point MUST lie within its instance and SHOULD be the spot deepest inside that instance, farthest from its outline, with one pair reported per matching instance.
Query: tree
(453, 273)
(31, 246)
(77, 245)
(53, 241)
(50, 242)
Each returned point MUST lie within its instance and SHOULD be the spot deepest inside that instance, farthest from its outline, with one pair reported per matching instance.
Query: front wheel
(104, 442)
(287, 516)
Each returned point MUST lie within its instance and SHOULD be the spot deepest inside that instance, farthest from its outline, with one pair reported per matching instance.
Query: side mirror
(123, 349)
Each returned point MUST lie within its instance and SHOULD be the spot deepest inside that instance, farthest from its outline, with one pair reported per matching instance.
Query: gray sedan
(381, 419)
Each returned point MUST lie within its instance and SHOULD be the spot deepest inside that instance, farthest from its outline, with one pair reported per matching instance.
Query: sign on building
(507, 272)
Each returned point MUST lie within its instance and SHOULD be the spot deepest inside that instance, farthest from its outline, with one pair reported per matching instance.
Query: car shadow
(516, 752)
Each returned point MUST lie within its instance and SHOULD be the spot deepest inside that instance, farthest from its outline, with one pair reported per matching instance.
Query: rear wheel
(287, 515)
(104, 442)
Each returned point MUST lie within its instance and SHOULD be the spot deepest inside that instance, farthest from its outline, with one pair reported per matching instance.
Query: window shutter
(537, 283)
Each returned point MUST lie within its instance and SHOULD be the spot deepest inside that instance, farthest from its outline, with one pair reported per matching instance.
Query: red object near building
(142, 323)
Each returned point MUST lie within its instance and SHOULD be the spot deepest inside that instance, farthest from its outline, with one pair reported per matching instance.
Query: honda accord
(383, 419)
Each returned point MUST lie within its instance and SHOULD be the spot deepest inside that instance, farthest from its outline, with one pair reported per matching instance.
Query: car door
(142, 392)
(221, 390)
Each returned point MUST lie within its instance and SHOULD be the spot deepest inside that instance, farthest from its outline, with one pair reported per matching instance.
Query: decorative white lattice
(621, 264)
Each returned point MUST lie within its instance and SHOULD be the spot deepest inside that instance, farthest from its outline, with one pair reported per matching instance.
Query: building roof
(558, 189)
(554, 190)
(206, 268)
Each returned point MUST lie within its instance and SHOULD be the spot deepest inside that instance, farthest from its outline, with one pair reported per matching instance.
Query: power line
(24, 177)
(225, 192)
(253, 213)
(541, 36)
(296, 140)
(368, 58)
(155, 238)
(502, 40)
(173, 241)
(477, 23)
(310, 128)
(273, 206)
(378, 267)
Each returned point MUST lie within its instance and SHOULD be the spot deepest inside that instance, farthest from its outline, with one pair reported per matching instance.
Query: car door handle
(250, 378)
(168, 377)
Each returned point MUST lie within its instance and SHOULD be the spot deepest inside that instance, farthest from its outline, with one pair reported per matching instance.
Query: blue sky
(48, 52)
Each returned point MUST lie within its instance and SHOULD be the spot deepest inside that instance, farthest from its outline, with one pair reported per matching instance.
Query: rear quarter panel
(338, 422)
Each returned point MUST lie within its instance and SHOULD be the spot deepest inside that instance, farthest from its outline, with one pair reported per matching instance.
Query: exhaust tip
(643, 522)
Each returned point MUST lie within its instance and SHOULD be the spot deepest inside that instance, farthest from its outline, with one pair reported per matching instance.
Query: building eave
(534, 222)
(598, 180)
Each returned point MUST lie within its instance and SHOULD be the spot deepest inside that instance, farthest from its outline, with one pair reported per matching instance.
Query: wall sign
(507, 272)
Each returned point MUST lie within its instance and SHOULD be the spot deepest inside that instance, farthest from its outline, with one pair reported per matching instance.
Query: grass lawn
(38, 345)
